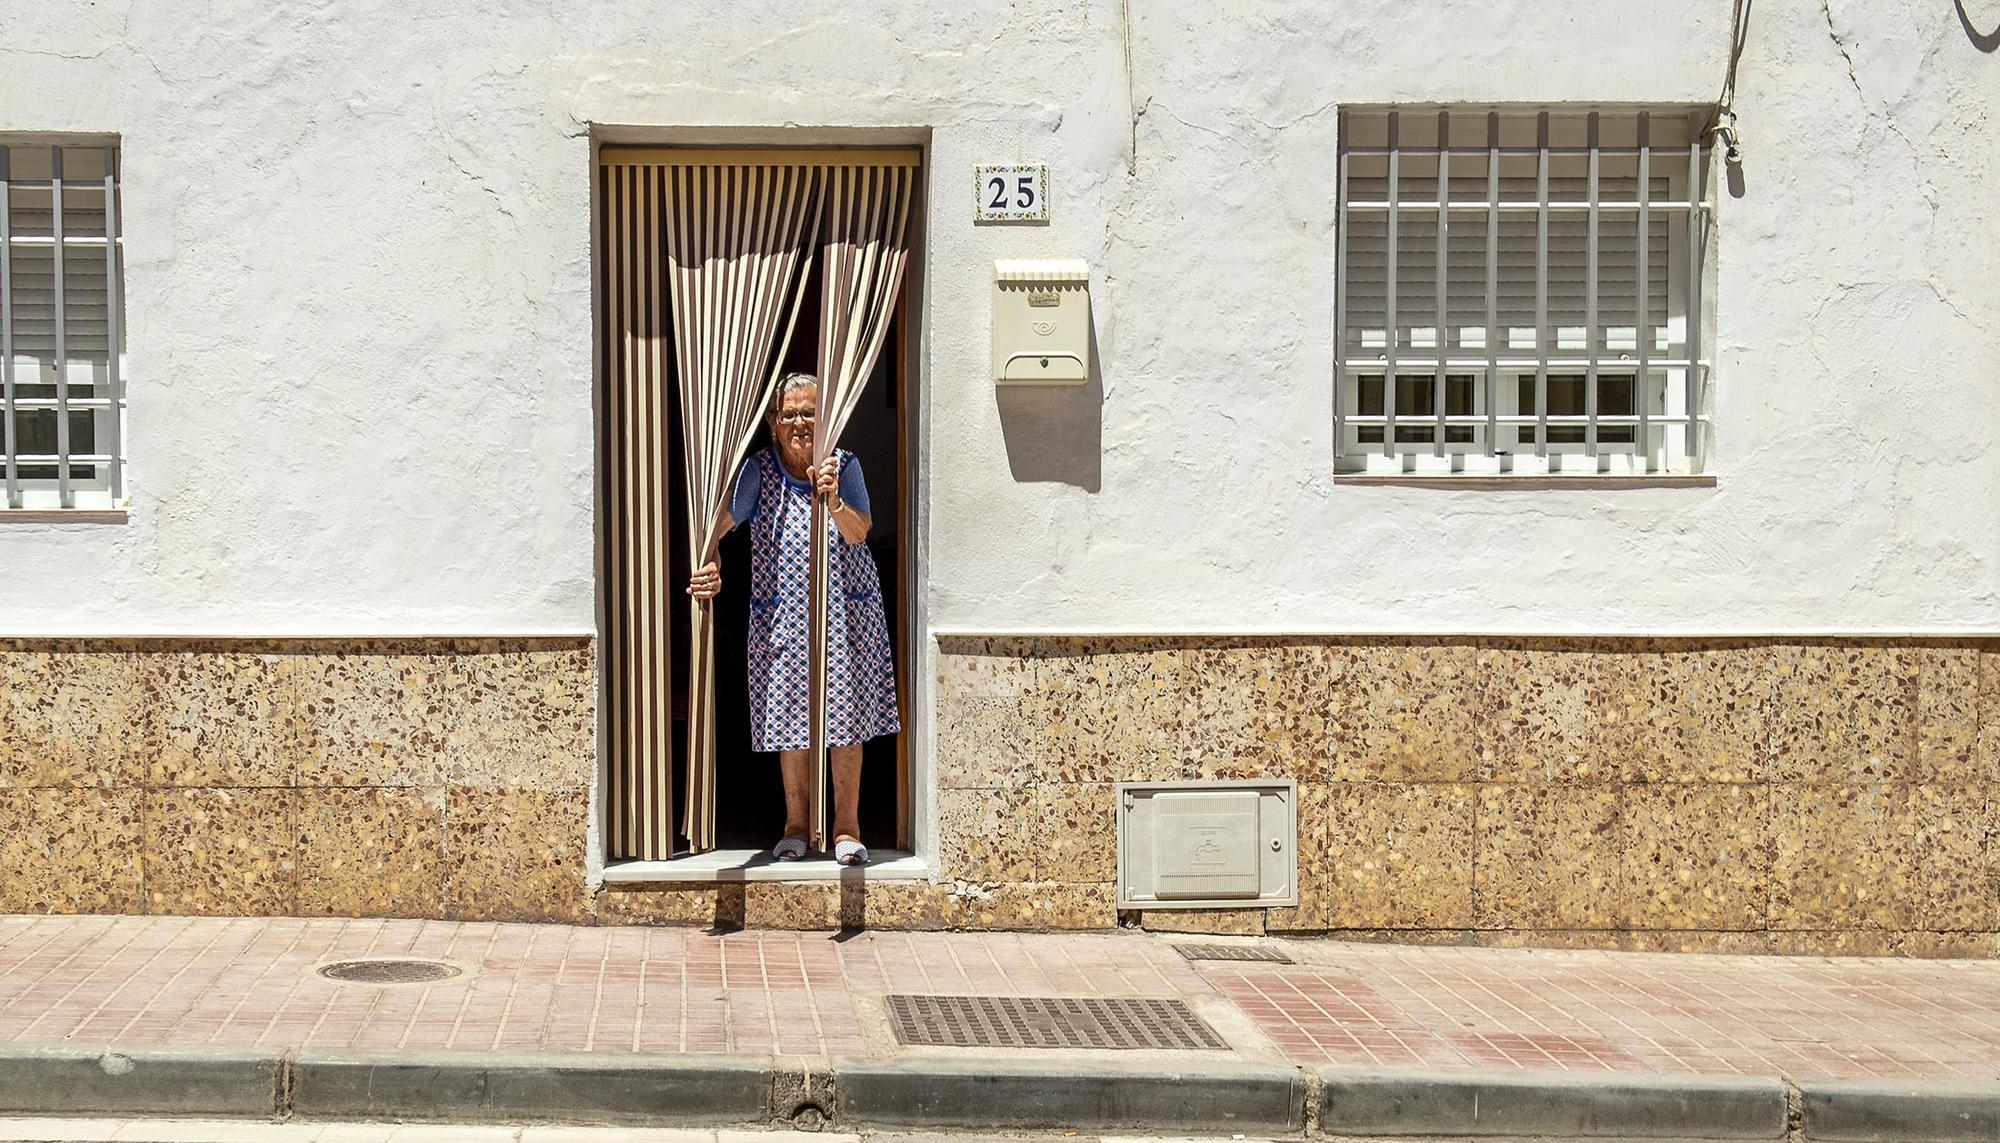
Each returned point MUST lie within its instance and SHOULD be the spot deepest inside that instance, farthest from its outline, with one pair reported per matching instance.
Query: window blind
(1465, 272)
(61, 381)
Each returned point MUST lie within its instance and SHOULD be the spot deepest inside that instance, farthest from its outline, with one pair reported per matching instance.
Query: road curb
(553, 1086)
(1866, 1110)
(1174, 1097)
(1222, 1096)
(67, 1078)
(1581, 1105)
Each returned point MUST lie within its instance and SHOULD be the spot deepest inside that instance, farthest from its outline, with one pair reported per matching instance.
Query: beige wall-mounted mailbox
(1041, 321)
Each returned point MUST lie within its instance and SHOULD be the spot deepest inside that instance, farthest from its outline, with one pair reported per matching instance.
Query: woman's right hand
(706, 581)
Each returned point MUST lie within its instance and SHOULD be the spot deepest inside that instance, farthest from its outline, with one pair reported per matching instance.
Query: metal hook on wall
(1725, 127)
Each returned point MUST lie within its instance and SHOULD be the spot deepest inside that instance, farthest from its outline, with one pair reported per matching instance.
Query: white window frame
(31, 383)
(1672, 412)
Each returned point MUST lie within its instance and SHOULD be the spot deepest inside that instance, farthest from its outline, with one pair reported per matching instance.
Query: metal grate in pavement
(1233, 952)
(388, 971)
(1047, 1022)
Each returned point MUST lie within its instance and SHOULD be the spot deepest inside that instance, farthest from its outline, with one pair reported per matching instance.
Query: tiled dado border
(1776, 795)
(412, 778)
(1744, 795)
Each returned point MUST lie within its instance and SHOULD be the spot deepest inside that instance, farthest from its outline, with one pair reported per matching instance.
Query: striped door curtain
(705, 258)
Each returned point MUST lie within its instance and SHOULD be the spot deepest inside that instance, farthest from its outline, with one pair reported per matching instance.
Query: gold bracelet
(835, 504)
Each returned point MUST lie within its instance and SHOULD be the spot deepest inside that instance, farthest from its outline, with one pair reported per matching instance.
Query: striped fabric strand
(865, 250)
(739, 249)
(633, 444)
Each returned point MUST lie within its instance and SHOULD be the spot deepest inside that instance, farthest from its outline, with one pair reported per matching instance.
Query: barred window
(61, 327)
(1532, 280)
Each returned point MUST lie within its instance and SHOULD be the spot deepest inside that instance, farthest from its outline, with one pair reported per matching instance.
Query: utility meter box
(1041, 321)
(1207, 845)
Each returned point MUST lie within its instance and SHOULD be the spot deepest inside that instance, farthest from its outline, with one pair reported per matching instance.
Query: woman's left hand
(826, 476)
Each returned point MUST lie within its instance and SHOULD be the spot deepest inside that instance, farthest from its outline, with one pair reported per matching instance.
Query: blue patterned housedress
(860, 680)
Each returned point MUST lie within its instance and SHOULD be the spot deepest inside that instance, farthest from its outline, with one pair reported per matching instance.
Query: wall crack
(1188, 123)
(1854, 78)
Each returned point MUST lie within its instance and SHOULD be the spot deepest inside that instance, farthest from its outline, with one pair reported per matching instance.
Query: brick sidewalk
(248, 982)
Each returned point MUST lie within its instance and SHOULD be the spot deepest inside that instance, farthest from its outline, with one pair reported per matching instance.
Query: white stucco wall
(359, 279)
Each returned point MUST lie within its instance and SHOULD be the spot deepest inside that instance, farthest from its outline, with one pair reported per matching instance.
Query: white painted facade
(359, 277)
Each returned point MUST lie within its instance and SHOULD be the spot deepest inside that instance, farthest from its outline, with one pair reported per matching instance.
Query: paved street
(249, 982)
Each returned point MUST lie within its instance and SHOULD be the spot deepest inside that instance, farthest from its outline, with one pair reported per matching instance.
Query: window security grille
(61, 327)
(1532, 280)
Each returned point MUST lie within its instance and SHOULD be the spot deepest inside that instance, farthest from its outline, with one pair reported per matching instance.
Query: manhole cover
(1233, 952)
(388, 971)
(1047, 1022)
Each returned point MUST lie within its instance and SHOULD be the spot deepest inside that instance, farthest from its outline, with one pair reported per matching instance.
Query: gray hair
(788, 384)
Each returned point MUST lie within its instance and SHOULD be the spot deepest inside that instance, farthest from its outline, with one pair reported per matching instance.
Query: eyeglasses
(797, 417)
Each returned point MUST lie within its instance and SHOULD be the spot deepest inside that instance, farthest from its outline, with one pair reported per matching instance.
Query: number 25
(1024, 192)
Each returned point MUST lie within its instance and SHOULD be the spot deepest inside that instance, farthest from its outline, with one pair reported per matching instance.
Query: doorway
(748, 793)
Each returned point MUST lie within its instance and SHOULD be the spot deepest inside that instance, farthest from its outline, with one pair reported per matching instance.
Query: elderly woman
(773, 495)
